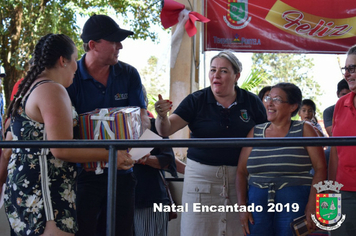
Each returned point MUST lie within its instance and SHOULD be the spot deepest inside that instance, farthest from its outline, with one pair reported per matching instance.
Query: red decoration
(170, 16)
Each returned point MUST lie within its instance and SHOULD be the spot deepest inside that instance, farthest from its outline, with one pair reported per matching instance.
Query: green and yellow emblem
(328, 206)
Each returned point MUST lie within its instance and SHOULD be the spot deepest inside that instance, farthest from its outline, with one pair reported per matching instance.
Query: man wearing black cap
(101, 81)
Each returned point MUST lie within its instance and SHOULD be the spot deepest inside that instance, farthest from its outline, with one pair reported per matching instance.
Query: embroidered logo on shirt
(121, 96)
(244, 116)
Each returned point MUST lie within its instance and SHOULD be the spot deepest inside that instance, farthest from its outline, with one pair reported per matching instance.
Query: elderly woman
(222, 110)
(267, 176)
(342, 164)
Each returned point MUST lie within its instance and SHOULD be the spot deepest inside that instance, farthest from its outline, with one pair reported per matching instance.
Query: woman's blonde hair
(236, 64)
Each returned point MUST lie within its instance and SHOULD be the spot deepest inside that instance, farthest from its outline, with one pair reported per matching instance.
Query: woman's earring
(65, 65)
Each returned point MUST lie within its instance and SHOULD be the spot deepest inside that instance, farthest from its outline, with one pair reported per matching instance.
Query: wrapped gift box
(109, 123)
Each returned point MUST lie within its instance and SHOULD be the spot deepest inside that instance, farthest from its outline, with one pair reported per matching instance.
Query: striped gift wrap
(109, 123)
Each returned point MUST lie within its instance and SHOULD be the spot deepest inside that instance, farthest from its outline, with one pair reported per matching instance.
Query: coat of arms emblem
(237, 14)
(244, 115)
(328, 206)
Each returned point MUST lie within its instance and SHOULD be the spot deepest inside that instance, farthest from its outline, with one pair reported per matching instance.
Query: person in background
(150, 188)
(40, 186)
(5, 157)
(307, 113)
(264, 92)
(342, 89)
(279, 175)
(342, 165)
(2, 111)
(222, 110)
(17, 84)
(6, 134)
(3, 161)
(15, 88)
(102, 81)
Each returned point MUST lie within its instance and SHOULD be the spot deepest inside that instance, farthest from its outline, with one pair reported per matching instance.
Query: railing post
(111, 200)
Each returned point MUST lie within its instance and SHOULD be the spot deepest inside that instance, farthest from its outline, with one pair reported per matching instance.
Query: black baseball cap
(103, 27)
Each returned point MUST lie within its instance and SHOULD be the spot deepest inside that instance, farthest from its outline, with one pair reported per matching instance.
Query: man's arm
(329, 130)
(328, 117)
(180, 165)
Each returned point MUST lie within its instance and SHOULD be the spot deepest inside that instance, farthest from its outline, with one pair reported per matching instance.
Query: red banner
(298, 26)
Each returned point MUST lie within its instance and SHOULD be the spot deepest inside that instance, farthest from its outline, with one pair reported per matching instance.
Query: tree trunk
(10, 62)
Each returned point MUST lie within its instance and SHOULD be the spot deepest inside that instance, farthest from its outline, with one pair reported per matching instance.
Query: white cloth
(177, 36)
(210, 186)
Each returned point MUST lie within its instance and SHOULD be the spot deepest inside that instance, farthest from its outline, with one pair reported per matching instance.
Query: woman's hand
(242, 185)
(317, 157)
(150, 160)
(143, 160)
(310, 209)
(162, 107)
(246, 217)
(124, 161)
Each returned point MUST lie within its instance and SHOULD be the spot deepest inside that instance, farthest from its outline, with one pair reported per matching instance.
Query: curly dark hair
(47, 51)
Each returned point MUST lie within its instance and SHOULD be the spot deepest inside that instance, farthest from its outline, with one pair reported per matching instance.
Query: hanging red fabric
(170, 16)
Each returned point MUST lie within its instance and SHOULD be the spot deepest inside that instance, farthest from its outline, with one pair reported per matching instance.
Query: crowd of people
(48, 192)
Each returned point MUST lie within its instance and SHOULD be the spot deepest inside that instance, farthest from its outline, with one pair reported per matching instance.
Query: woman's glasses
(350, 69)
(275, 100)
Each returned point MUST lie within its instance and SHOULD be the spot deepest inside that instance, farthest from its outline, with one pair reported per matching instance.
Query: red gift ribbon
(170, 13)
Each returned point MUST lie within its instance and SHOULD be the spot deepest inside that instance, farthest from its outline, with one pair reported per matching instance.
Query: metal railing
(114, 145)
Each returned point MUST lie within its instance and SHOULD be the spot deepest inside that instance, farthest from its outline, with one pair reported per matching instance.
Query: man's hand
(124, 161)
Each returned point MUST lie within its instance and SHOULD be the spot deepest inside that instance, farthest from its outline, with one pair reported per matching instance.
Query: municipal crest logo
(236, 39)
(244, 116)
(237, 14)
(328, 206)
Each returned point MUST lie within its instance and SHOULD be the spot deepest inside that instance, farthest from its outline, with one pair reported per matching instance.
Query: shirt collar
(349, 100)
(233, 104)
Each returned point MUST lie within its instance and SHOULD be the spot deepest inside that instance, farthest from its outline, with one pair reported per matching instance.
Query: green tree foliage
(23, 22)
(287, 67)
(153, 79)
(253, 80)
